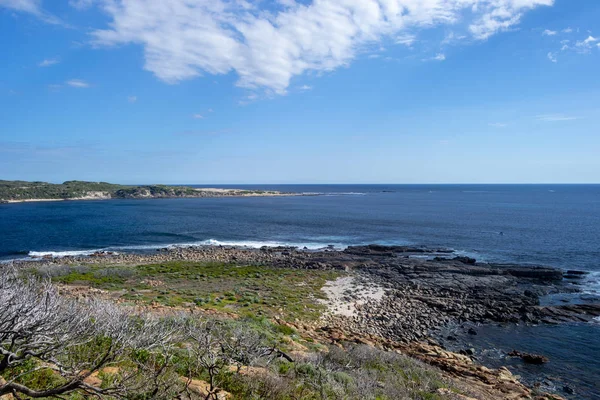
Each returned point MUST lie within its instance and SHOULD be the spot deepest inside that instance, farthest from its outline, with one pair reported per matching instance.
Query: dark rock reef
(424, 288)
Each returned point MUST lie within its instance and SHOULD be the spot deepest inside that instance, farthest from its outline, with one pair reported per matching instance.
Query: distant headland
(22, 191)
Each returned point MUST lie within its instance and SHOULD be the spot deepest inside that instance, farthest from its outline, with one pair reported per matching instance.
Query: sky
(284, 91)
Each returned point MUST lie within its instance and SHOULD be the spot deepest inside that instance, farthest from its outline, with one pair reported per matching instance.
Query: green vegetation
(123, 355)
(21, 190)
(357, 372)
(291, 294)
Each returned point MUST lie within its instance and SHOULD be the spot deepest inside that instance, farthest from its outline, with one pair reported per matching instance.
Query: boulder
(535, 359)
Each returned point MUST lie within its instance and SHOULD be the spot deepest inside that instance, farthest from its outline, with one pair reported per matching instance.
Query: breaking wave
(255, 244)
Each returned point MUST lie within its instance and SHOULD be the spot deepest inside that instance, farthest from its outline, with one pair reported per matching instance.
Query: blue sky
(352, 91)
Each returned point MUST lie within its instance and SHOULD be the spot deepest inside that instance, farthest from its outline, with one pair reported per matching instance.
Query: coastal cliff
(21, 191)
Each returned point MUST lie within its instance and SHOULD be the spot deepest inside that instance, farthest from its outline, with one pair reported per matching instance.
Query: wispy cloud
(590, 39)
(555, 117)
(498, 125)
(32, 7)
(437, 57)
(406, 40)
(132, 99)
(584, 46)
(48, 62)
(248, 99)
(305, 87)
(81, 4)
(453, 38)
(78, 83)
(197, 116)
(548, 32)
(267, 48)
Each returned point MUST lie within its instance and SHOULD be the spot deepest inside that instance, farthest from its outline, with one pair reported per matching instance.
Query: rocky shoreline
(400, 298)
(425, 289)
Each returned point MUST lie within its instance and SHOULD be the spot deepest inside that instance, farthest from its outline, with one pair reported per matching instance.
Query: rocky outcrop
(535, 272)
(535, 359)
(421, 293)
(480, 381)
(568, 313)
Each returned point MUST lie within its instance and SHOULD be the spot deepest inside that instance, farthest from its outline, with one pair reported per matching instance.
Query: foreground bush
(52, 346)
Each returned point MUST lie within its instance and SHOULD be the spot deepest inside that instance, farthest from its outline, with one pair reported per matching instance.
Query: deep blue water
(551, 224)
(557, 225)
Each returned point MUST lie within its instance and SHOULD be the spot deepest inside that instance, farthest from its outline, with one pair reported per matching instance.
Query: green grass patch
(247, 290)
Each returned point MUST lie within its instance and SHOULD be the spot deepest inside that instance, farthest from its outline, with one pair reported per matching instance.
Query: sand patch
(346, 293)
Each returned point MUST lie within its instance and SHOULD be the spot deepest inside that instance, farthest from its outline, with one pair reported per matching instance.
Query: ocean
(555, 225)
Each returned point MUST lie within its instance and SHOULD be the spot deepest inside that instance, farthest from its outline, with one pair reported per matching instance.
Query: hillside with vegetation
(222, 323)
(62, 343)
(17, 191)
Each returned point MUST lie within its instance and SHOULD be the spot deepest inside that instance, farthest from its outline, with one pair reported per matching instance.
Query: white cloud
(498, 125)
(81, 4)
(548, 32)
(197, 116)
(48, 62)
(555, 117)
(406, 40)
(305, 87)
(500, 15)
(183, 39)
(584, 46)
(552, 57)
(28, 6)
(567, 30)
(31, 7)
(132, 99)
(437, 57)
(590, 39)
(453, 38)
(78, 83)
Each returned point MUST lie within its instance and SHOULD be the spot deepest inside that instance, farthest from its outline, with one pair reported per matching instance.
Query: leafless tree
(214, 345)
(78, 341)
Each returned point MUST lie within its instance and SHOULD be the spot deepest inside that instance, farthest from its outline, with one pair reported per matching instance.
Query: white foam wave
(59, 254)
(591, 284)
(256, 244)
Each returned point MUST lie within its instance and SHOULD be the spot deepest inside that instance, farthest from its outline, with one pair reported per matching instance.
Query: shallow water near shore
(555, 225)
(573, 351)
